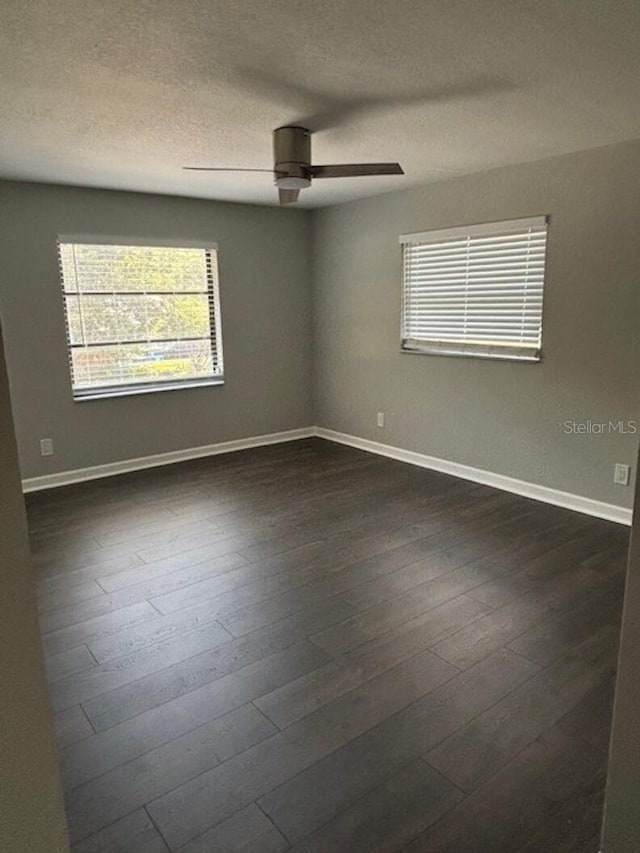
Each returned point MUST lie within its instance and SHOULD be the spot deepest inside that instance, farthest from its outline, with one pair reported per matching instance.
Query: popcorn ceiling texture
(121, 95)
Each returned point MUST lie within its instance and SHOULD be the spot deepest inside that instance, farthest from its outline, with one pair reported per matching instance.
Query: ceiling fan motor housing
(292, 157)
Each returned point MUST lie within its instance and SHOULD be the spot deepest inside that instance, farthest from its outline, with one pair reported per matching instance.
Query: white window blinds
(140, 317)
(475, 290)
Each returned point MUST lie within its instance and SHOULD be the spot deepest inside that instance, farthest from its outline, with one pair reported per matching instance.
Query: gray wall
(622, 806)
(265, 295)
(31, 811)
(499, 416)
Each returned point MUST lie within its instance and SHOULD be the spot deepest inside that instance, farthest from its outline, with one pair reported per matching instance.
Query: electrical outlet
(621, 474)
(46, 447)
(380, 419)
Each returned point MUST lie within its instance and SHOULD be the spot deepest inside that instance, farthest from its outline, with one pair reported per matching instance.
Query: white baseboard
(111, 469)
(578, 503)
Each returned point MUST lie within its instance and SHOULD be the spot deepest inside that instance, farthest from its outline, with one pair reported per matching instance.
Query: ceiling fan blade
(221, 169)
(354, 170)
(288, 196)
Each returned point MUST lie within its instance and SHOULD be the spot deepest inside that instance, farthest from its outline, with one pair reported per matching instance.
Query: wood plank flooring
(308, 648)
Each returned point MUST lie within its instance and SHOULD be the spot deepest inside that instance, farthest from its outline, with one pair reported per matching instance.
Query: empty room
(319, 416)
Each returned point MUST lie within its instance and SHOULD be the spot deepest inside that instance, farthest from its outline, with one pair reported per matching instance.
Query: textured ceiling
(122, 93)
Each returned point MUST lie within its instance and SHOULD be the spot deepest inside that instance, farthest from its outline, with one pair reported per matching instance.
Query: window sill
(110, 393)
(528, 356)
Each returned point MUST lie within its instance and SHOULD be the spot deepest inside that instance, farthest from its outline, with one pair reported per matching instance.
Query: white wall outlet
(621, 474)
(380, 420)
(46, 447)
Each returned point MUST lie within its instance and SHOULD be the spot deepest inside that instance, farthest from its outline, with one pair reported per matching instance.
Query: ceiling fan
(292, 167)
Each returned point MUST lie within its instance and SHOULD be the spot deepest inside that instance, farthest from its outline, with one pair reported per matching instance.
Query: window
(475, 290)
(140, 317)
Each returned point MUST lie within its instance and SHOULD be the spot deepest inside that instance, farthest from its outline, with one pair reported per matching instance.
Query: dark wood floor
(309, 648)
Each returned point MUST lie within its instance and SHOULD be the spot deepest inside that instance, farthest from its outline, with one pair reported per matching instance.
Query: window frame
(501, 352)
(215, 318)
